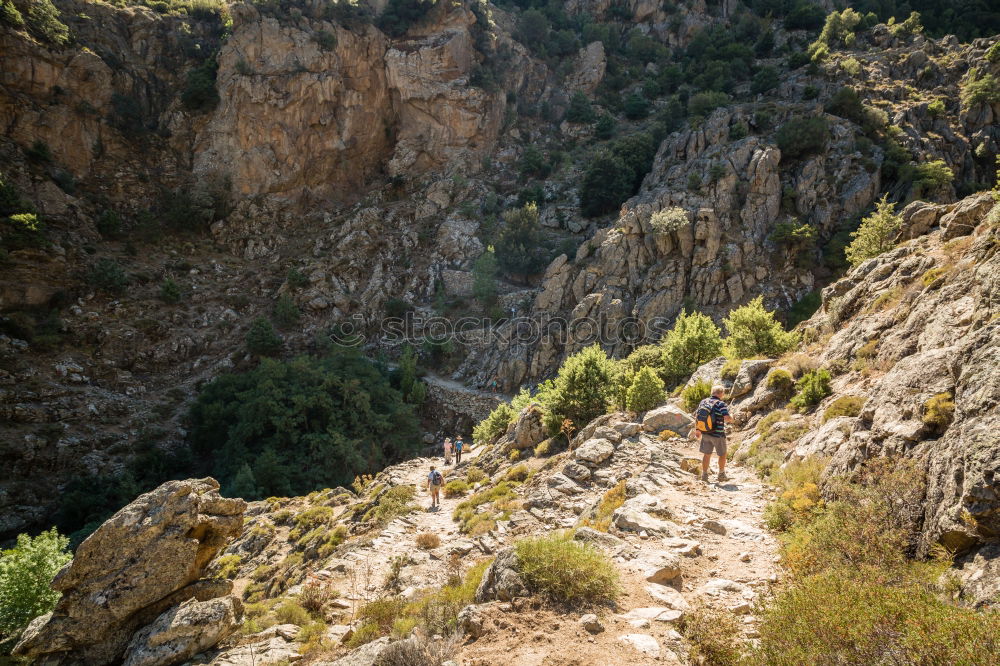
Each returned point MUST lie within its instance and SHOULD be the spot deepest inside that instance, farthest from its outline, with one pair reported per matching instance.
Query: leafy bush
(517, 474)
(839, 28)
(700, 104)
(297, 407)
(580, 109)
(286, 312)
(493, 425)
(40, 17)
(694, 340)
(484, 278)
(779, 379)
(766, 79)
(731, 369)
(812, 388)
(456, 488)
(939, 410)
(22, 231)
(936, 108)
(848, 405)
(606, 183)
(801, 137)
(668, 220)
(228, 566)
(108, 275)
(635, 106)
(170, 292)
(979, 89)
(395, 502)
(199, 94)
(475, 475)
(714, 635)
(796, 239)
(876, 234)
(753, 331)
(566, 570)
(929, 177)
(261, 339)
(26, 570)
(582, 389)
(478, 513)
(646, 391)
(692, 395)
(604, 128)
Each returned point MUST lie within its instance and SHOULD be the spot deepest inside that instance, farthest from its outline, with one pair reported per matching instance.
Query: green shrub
(702, 103)
(400, 15)
(753, 331)
(779, 379)
(765, 80)
(494, 425)
(519, 246)
(646, 391)
(635, 106)
(286, 313)
(290, 612)
(606, 183)
(731, 369)
(801, 137)
(876, 234)
(170, 292)
(928, 177)
(23, 231)
(936, 109)
(108, 275)
(296, 279)
(979, 89)
(26, 570)
(693, 341)
(517, 474)
(852, 619)
(812, 388)
(566, 570)
(199, 94)
(839, 29)
(261, 339)
(604, 128)
(484, 278)
(580, 109)
(993, 53)
(848, 405)
(583, 388)
(109, 225)
(228, 566)
(395, 502)
(456, 488)
(796, 239)
(692, 395)
(939, 410)
(475, 475)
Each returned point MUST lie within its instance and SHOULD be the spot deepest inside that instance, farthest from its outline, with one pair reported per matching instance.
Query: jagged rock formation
(149, 559)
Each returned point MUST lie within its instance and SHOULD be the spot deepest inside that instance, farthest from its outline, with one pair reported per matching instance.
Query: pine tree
(694, 340)
(244, 484)
(583, 388)
(646, 392)
(25, 573)
(753, 331)
(877, 233)
(261, 338)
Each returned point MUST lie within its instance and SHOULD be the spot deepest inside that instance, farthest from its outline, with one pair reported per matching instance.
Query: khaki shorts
(710, 442)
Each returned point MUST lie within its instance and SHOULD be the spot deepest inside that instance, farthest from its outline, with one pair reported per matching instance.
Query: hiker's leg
(706, 462)
(722, 464)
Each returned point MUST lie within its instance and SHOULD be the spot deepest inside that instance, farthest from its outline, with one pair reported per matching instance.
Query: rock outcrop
(144, 566)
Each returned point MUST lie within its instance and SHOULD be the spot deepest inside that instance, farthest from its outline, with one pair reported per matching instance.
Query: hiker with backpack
(710, 422)
(434, 482)
(459, 445)
(448, 448)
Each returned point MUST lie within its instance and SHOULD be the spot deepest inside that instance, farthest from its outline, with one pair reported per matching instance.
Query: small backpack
(437, 478)
(703, 416)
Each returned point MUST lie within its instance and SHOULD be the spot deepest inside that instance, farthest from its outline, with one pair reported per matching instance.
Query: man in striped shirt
(716, 438)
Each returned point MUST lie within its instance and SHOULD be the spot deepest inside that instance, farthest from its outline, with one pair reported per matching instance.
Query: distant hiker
(711, 418)
(459, 445)
(434, 482)
(448, 449)
(493, 385)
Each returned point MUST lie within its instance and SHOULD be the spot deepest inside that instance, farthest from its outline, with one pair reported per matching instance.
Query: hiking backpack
(703, 416)
(438, 479)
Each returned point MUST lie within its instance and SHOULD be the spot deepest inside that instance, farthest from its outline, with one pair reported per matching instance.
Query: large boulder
(668, 417)
(502, 579)
(594, 451)
(184, 631)
(529, 430)
(147, 558)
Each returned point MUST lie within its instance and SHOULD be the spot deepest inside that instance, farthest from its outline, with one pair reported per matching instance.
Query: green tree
(286, 313)
(244, 483)
(877, 233)
(635, 106)
(694, 340)
(302, 424)
(580, 109)
(170, 292)
(801, 137)
(519, 246)
(753, 331)
(533, 30)
(582, 389)
(484, 278)
(25, 574)
(262, 339)
(764, 80)
(604, 128)
(646, 391)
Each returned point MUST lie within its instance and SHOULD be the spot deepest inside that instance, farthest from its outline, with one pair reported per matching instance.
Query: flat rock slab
(654, 614)
(643, 643)
(667, 596)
